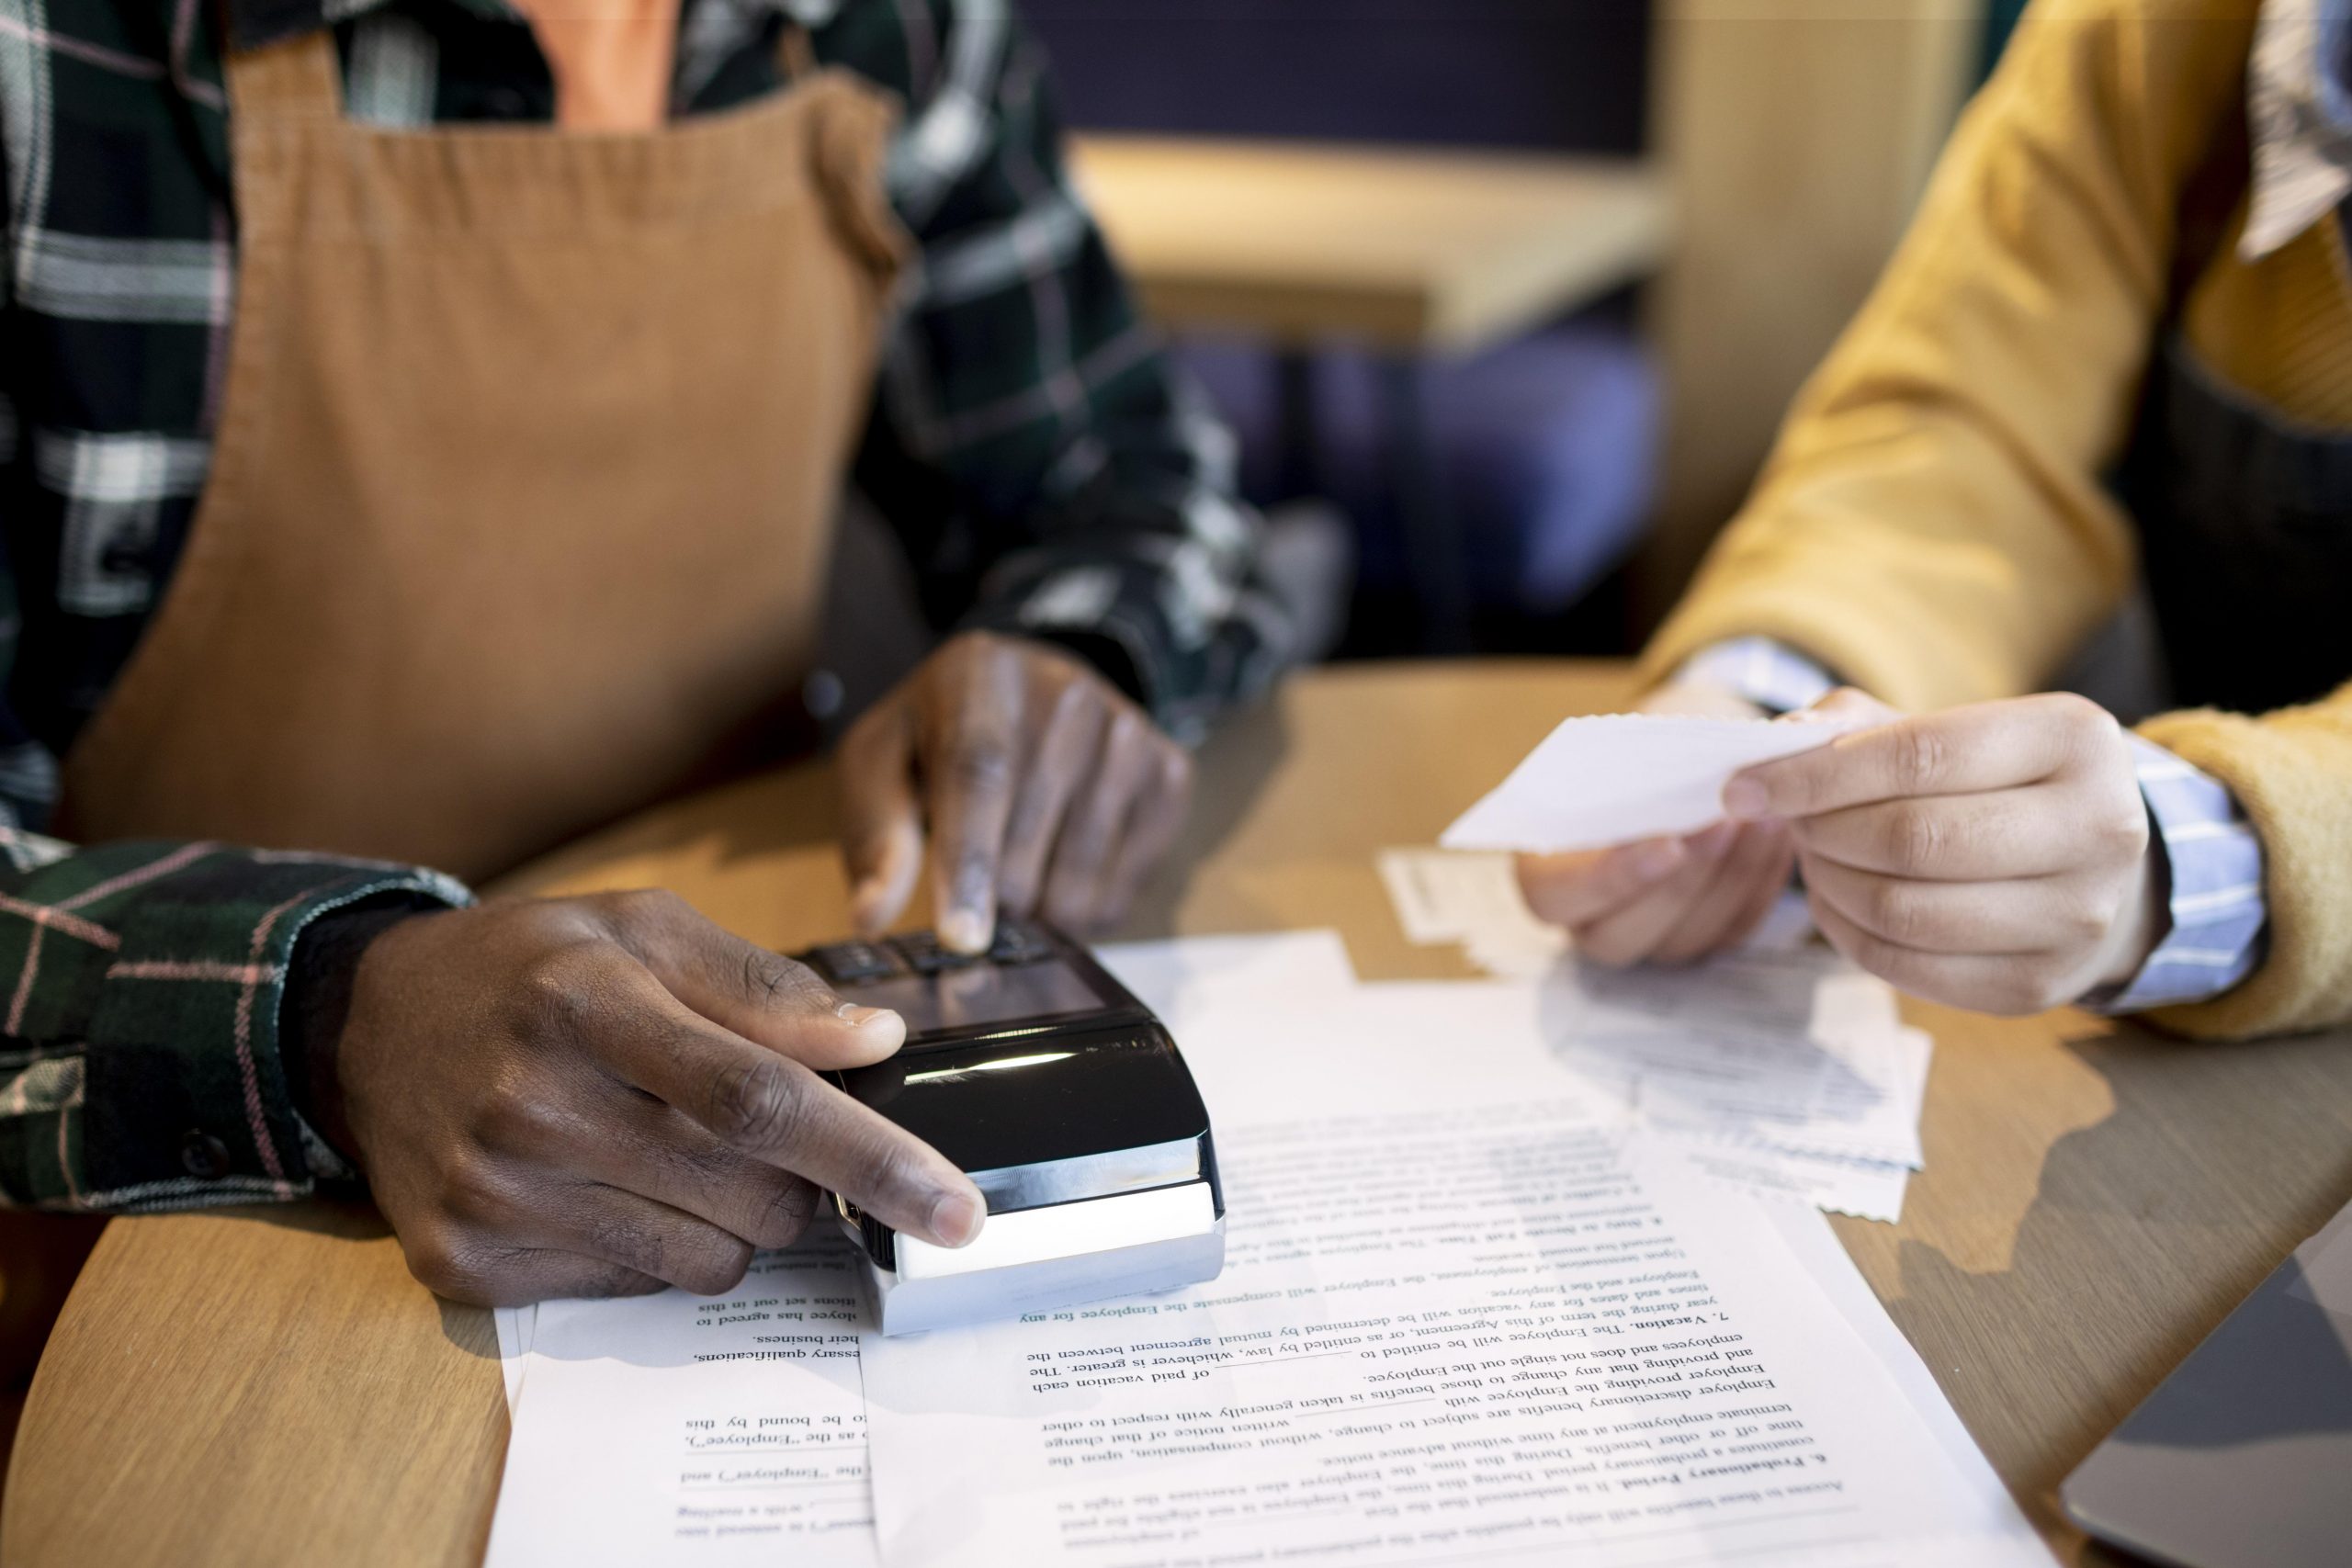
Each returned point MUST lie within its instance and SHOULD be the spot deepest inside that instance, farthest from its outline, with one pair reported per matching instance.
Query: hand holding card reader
(1066, 1103)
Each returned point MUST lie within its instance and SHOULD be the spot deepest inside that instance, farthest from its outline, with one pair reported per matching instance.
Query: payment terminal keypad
(920, 952)
(854, 962)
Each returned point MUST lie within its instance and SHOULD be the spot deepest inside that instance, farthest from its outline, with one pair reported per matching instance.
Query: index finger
(971, 761)
(881, 820)
(1962, 751)
(767, 1106)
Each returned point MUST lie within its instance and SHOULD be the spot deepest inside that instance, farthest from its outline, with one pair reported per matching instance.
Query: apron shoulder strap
(795, 57)
(295, 78)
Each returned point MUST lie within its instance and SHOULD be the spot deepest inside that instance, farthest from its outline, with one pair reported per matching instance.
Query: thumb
(759, 994)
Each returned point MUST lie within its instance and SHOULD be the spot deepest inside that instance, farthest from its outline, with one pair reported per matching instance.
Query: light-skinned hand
(1041, 786)
(1994, 857)
(1666, 901)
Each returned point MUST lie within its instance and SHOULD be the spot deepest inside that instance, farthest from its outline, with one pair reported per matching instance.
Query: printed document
(726, 1431)
(1464, 1318)
(1460, 1320)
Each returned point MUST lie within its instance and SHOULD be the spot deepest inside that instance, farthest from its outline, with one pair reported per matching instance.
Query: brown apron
(521, 501)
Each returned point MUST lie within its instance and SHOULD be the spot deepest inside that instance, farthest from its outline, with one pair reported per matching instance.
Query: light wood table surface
(267, 1386)
(1405, 249)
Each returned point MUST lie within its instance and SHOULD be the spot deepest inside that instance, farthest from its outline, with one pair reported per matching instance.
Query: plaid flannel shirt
(1045, 470)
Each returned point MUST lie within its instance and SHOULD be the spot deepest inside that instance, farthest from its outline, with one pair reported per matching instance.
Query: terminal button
(854, 962)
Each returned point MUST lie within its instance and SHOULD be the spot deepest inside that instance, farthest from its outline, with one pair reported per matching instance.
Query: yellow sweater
(1932, 525)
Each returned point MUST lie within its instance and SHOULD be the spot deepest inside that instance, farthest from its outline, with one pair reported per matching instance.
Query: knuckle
(1900, 914)
(786, 1216)
(470, 1187)
(2034, 988)
(2089, 731)
(442, 1264)
(883, 1166)
(1130, 731)
(772, 977)
(719, 1269)
(1176, 770)
(982, 767)
(1895, 965)
(1915, 839)
(1921, 758)
(2084, 914)
(645, 910)
(1075, 703)
(629, 1243)
(756, 1105)
(521, 1112)
(556, 992)
(2123, 833)
(2079, 715)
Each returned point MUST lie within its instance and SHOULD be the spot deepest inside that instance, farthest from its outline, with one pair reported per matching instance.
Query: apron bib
(2245, 525)
(522, 497)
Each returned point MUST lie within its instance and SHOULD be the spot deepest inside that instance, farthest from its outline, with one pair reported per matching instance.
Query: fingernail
(1745, 798)
(956, 1218)
(1656, 858)
(858, 1017)
(964, 931)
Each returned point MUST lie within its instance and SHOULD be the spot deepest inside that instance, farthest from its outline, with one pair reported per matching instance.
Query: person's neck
(611, 60)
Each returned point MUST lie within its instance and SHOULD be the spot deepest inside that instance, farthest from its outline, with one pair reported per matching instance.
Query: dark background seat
(1546, 449)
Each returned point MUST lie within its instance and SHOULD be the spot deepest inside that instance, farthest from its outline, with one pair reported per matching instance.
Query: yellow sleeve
(2291, 770)
(1932, 525)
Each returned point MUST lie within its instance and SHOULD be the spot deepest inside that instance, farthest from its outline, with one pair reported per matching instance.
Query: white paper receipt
(1611, 780)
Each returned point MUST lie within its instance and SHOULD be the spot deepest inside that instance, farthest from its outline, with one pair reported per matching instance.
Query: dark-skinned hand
(603, 1096)
(1040, 787)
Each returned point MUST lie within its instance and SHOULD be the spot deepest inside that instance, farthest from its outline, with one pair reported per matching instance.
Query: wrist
(2141, 923)
(320, 985)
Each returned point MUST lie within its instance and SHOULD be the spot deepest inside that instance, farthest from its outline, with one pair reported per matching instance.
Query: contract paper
(1483, 1333)
(1595, 783)
(1420, 1153)
(726, 1431)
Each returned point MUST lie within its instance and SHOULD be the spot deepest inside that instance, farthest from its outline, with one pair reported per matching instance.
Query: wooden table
(1408, 250)
(1410, 253)
(270, 1387)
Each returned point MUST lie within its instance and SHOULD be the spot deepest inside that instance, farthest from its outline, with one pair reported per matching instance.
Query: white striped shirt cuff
(1770, 674)
(2218, 915)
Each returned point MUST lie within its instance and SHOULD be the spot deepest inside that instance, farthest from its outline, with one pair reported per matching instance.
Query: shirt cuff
(1770, 673)
(2213, 857)
(186, 1101)
(1144, 635)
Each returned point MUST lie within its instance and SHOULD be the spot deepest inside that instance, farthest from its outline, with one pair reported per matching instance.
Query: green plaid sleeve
(139, 1060)
(1084, 493)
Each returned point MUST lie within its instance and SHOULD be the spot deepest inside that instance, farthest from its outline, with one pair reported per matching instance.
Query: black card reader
(1064, 1099)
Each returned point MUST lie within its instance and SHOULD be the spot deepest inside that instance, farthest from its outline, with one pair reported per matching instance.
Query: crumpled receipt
(1616, 778)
